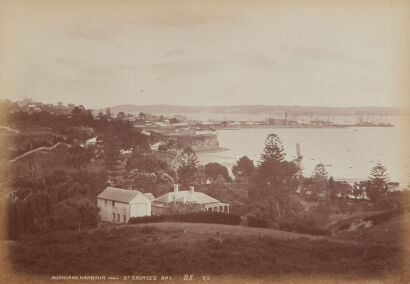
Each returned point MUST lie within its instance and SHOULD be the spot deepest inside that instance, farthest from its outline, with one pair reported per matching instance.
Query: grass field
(185, 248)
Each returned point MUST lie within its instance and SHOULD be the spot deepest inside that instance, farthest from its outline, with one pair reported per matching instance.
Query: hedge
(196, 217)
(255, 222)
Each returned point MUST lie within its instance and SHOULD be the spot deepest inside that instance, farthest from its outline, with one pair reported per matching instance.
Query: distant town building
(119, 205)
(91, 141)
(277, 121)
(180, 117)
(155, 146)
(186, 131)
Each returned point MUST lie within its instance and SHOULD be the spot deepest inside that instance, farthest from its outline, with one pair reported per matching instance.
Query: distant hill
(257, 109)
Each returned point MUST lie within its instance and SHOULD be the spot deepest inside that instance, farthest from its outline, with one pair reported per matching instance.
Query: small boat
(350, 167)
(329, 165)
(348, 150)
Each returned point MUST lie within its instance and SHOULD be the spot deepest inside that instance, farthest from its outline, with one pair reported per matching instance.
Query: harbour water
(348, 153)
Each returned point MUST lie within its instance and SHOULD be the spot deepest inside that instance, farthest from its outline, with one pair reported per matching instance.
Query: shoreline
(212, 150)
(300, 126)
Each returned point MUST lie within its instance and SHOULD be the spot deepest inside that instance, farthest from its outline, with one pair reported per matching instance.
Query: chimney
(175, 187)
(191, 189)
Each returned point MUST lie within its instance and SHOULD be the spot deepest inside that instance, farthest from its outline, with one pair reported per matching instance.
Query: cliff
(205, 142)
(201, 142)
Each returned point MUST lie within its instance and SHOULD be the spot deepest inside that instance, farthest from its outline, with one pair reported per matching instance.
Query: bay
(348, 153)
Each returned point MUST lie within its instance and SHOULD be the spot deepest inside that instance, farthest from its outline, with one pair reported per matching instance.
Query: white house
(156, 145)
(206, 202)
(91, 141)
(119, 205)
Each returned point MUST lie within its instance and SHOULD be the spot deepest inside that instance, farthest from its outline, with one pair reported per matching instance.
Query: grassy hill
(202, 249)
(389, 232)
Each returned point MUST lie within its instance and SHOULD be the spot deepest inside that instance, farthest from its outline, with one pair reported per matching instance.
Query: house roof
(92, 140)
(186, 196)
(162, 124)
(121, 195)
(149, 196)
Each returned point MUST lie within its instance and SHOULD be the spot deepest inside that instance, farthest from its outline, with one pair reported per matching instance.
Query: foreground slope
(181, 248)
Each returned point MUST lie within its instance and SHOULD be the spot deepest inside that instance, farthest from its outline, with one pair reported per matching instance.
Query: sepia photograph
(204, 141)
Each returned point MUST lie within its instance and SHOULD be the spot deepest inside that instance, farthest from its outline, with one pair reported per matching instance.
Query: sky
(105, 53)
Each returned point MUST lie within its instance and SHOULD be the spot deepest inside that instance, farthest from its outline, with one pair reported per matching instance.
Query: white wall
(140, 209)
(107, 210)
(136, 208)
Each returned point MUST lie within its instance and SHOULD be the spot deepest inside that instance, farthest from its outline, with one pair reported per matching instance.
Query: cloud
(70, 62)
(192, 14)
(92, 33)
(255, 59)
(186, 19)
(317, 53)
(176, 52)
(186, 67)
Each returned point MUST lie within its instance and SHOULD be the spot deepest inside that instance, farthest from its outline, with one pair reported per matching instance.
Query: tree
(111, 151)
(173, 120)
(108, 113)
(79, 156)
(338, 189)
(145, 161)
(187, 167)
(244, 169)
(320, 172)
(216, 171)
(142, 116)
(141, 180)
(319, 181)
(273, 151)
(276, 180)
(121, 115)
(379, 180)
(360, 189)
(80, 116)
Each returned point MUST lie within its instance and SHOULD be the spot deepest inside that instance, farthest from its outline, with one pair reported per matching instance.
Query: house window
(118, 218)
(125, 219)
(113, 203)
(113, 217)
(106, 202)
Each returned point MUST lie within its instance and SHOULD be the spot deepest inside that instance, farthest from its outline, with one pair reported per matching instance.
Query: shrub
(194, 217)
(384, 216)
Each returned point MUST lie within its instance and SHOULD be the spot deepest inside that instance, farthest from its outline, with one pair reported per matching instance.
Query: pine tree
(273, 151)
(319, 181)
(320, 172)
(187, 167)
(276, 179)
(379, 180)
